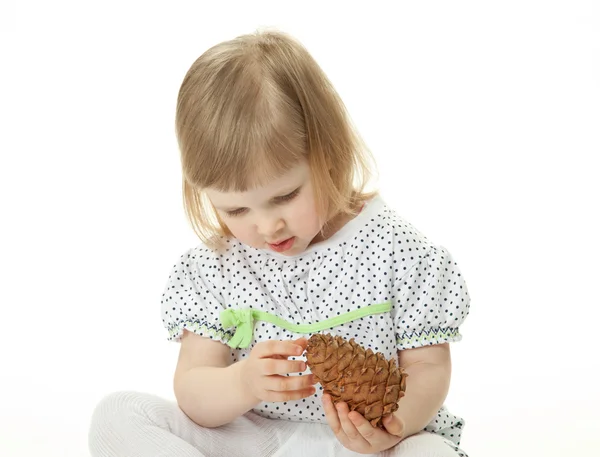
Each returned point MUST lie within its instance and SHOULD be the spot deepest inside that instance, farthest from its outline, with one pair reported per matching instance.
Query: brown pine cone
(365, 380)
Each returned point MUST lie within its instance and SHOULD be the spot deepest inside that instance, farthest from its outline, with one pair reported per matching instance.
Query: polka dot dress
(375, 258)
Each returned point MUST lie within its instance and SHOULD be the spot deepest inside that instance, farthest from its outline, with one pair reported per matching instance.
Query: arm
(429, 370)
(213, 392)
(207, 386)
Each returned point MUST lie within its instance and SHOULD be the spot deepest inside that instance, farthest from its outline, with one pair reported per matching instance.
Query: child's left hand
(356, 433)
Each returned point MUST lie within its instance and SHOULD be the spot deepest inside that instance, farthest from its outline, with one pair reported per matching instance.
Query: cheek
(240, 230)
(305, 216)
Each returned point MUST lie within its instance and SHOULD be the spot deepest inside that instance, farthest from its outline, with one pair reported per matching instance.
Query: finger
(288, 395)
(331, 415)
(394, 425)
(349, 428)
(279, 366)
(284, 383)
(302, 342)
(277, 347)
(368, 432)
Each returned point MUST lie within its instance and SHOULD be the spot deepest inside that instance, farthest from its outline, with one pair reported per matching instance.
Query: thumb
(394, 425)
(302, 342)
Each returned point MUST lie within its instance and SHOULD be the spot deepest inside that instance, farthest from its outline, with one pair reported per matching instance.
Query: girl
(274, 183)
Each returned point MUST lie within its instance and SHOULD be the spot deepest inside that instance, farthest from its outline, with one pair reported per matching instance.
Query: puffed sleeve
(192, 299)
(430, 301)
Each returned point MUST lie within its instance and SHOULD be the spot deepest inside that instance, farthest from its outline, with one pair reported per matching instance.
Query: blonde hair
(251, 108)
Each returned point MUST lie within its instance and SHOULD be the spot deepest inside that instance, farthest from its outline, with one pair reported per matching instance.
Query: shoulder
(385, 230)
(197, 264)
(404, 230)
(380, 218)
(197, 257)
(221, 264)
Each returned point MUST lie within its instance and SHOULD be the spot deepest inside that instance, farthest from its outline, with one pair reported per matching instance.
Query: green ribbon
(243, 319)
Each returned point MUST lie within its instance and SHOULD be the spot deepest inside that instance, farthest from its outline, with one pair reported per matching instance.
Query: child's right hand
(264, 371)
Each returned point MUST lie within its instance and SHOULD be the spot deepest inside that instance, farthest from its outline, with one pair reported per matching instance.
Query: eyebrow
(271, 200)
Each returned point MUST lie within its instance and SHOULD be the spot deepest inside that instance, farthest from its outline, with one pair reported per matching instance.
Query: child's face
(280, 216)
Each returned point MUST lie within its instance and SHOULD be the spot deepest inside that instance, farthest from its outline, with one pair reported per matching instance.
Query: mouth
(282, 246)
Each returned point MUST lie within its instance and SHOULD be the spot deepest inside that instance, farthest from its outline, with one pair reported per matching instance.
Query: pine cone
(365, 380)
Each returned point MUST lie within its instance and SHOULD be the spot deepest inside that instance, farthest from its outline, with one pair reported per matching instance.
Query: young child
(274, 180)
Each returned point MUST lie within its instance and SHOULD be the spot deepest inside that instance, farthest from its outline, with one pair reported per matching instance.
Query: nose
(269, 225)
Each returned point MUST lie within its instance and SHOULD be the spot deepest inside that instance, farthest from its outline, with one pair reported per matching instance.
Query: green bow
(243, 319)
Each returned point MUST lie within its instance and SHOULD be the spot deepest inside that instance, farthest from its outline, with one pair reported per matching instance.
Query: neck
(336, 223)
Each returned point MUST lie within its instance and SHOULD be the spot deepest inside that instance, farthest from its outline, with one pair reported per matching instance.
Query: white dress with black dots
(375, 258)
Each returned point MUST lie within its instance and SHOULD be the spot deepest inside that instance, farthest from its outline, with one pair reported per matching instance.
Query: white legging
(134, 424)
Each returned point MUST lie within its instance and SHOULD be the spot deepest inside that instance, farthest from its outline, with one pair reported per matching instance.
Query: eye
(236, 212)
(288, 197)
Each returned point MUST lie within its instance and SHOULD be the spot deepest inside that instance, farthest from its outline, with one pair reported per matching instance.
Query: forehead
(262, 193)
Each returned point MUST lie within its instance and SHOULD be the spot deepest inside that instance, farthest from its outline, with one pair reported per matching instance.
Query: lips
(282, 246)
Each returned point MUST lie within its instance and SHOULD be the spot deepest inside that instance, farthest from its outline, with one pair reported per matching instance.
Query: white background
(484, 118)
